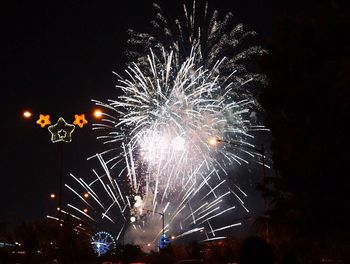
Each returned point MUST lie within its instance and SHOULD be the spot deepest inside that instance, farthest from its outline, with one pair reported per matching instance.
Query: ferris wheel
(102, 242)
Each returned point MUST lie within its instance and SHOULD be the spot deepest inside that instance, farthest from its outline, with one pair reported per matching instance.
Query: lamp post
(162, 215)
(61, 132)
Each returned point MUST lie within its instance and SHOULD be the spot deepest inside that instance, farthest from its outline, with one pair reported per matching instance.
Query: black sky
(56, 57)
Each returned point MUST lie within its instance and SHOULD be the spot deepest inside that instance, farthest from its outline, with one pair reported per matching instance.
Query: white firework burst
(166, 119)
(165, 122)
(182, 122)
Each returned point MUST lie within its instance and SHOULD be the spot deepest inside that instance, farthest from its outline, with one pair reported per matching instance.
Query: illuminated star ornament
(43, 120)
(80, 120)
(61, 131)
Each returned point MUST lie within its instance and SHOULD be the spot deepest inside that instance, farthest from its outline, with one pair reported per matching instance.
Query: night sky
(55, 58)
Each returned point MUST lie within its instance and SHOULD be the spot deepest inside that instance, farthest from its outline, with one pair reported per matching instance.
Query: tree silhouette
(307, 103)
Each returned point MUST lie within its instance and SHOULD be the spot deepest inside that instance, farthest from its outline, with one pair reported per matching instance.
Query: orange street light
(85, 210)
(86, 195)
(52, 196)
(213, 141)
(27, 114)
(97, 113)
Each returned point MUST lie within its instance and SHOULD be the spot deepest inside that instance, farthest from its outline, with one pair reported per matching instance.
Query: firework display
(184, 120)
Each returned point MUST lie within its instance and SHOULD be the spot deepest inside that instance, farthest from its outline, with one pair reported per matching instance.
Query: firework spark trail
(77, 194)
(210, 212)
(71, 215)
(213, 189)
(207, 206)
(193, 213)
(190, 232)
(216, 215)
(88, 189)
(211, 228)
(54, 218)
(214, 238)
(80, 211)
(66, 213)
(225, 227)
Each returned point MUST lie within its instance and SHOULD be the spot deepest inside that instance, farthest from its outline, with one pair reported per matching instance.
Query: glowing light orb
(27, 114)
(97, 113)
(213, 141)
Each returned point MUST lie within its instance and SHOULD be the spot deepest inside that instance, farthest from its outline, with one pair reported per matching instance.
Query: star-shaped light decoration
(80, 120)
(61, 131)
(43, 120)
